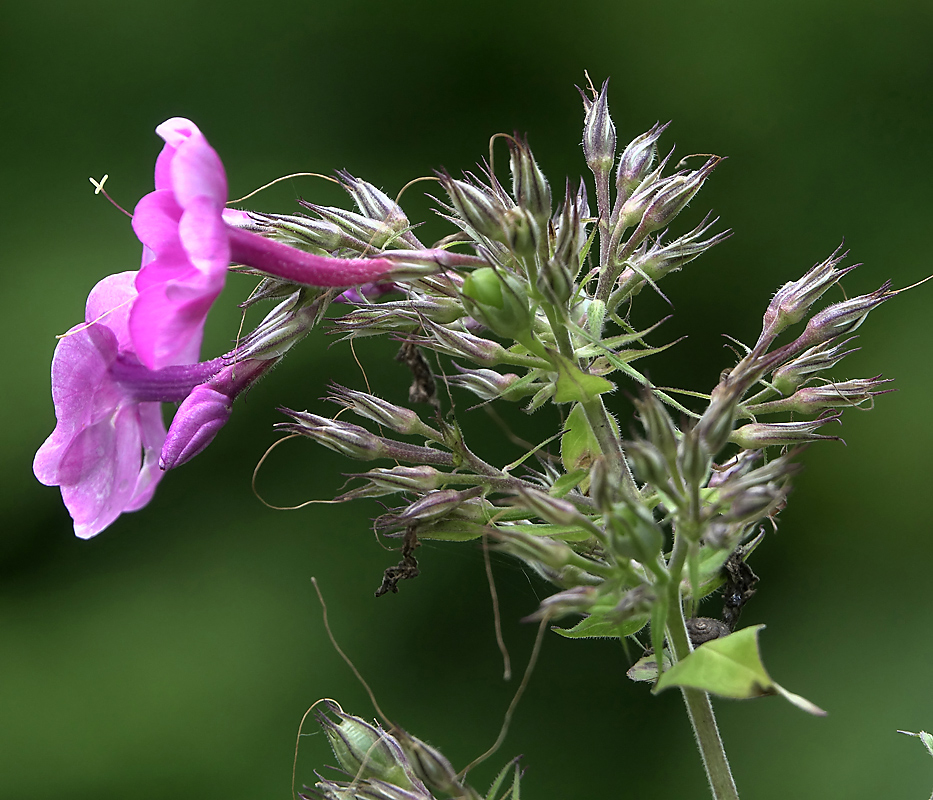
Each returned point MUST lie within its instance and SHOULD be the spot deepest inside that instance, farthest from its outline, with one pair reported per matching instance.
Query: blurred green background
(174, 655)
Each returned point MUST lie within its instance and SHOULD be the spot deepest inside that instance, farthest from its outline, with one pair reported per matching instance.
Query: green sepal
(731, 667)
(596, 626)
(924, 737)
(573, 384)
(578, 445)
(565, 483)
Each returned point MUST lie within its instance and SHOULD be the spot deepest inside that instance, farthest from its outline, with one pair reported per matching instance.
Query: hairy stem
(699, 707)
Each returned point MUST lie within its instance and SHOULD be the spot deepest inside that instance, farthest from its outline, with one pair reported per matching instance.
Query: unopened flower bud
(476, 205)
(571, 230)
(435, 504)
(636, 534)
(488, 384)
(657, 424)
(576, 600)
(529, 186)
(555, 510)
(649, 463)
(377, 205)
(205, 411)
(812, 399)
(694, 458)
(637, 159)
(430, 765)
(555, 282)
(760, 434)
(787, 378)
(844, 317)
(599, 134)
(498, 301)
(793, 300)
(382, 412)
(374, 232)
(675, 194)
(366, 751)
(462, 344)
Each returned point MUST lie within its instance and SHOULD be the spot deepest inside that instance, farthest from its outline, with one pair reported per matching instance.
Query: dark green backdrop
(174, 655)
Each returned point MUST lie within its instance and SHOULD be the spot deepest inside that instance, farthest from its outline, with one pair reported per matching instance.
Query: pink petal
(204, 236)
(167, 322)
(197, 171)
(110, 301)
(155, 222)
(101, 467)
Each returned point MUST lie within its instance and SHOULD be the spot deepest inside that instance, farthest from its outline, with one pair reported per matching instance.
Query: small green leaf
(565, 483)
(575, 385)
(578, 445)
(731, 667)
(645, 670)
(596, 626)
(924, 737)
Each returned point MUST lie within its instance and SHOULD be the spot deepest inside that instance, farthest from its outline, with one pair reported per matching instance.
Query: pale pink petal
(152, 430)
(110, 301)
(99, 472)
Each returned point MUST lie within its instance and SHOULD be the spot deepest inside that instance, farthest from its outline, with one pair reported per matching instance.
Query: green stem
(699, 707)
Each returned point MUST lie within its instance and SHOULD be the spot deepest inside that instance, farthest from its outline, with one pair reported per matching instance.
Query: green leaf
(645, 670)
(578, 445)
(731, 667)
(575, 385)
(924, 737)
(596, 626)
(565, 483)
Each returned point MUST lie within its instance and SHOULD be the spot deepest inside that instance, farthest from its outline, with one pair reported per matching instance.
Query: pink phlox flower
(186, 248)
(104, 451)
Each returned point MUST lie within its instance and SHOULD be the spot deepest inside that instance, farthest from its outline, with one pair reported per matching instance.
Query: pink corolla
(104, 451)
(190, 240)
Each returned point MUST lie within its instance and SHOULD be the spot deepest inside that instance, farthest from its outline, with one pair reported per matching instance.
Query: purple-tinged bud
(571, 230)
(430, 765)
(761, 434)
(649, 463)
(488, 384)
(605, 484)
(529, 186)
(382, 412)
(476, 205)
(283, 327)
(464, 345)
(367, 751)
(635, 534)
(577, 600)
(843, 318)
(693, 458)
(756, 502)
(521, 232)
(555, 510)
(637, 159)
(813, 399)
(377, 205)
(356, 442)
(375, 233)
(675, 194)
(435, 505)
(306, 233)
(793, 300)
(206, 410)
(555, 282)
(810, 363)
(658, 425)
(398, 479)
(740, 464)
(599, 134)
(658, 260)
